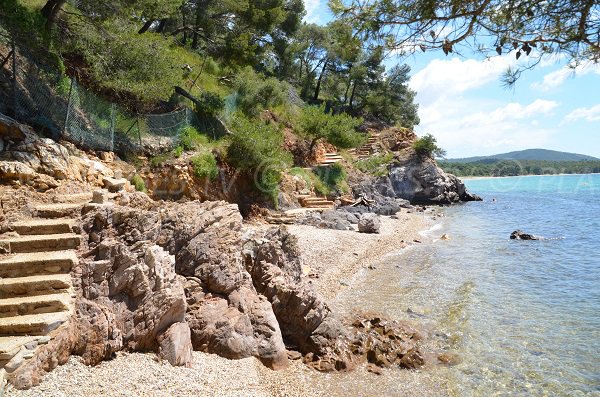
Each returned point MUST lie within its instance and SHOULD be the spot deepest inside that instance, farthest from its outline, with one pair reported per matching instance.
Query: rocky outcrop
(419, 180)
(27, 159)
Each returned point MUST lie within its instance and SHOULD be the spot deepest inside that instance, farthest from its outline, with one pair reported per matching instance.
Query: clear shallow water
(522, 316)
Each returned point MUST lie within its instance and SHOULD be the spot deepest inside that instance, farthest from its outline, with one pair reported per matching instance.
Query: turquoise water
(522, 317)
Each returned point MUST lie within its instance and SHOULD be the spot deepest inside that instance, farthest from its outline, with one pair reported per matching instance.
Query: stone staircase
(368, 149)
(36, 291)
(329, 159)
(313, 201)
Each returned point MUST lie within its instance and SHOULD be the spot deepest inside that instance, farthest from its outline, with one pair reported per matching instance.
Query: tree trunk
(161, 25)
(183, 22)
(197, 25)
(50, 10)
(348, 85)
(146, 26)
(352, 96)
(318, 88)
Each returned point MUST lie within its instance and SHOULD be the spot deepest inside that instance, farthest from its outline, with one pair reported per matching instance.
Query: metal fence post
(14, 77)
(68, 111)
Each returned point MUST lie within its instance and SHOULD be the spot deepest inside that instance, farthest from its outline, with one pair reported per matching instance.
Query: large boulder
(369, 223)
(419, 180)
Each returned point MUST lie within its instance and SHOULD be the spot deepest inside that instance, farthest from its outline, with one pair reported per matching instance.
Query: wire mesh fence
(56, 105)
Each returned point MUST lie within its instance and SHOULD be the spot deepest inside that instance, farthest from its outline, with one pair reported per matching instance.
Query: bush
(339, 129)
(256, 147)
(256, 93)
(334, 178)
(139, 183)
(209, 104)
(375, 165)
(192, 139)
(205, 165)
(427, 146)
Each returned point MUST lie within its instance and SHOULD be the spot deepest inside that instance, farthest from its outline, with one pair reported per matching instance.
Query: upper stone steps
(75, 198)
(60, 210)
(38, 243)
(21, 265)
(33, 324)
(34, 285)
(43, 226)
(20, 306)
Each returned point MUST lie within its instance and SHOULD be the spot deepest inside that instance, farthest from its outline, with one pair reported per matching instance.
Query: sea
(518, 318)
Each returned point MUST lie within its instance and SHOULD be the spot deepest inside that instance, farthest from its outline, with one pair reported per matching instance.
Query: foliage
(209, 104)
(205, 165)
(427, 146)
(139, 183)
(521, 167)
(532, 28)
(256, 147)
(334, 178)
(191, 139)
(256, 93)
(339, 130)
(375, 165)
(313, 181)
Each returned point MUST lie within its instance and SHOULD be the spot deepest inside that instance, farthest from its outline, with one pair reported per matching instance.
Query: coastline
(335, 256)
(521, 176)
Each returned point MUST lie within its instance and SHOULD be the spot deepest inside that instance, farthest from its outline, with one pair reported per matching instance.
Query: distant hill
(529, 154)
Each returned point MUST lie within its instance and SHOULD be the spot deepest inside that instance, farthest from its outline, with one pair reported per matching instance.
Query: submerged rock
(519, 235)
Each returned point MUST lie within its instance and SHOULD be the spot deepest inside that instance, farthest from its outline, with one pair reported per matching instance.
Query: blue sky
(461, 102)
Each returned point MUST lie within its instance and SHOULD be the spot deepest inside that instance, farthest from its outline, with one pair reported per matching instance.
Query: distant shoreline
(521, 176)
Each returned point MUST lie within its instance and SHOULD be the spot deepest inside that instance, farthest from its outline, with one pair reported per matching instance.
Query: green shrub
(192, 139)
(256, 93)
(178, 151)
(210, 104)
(375, 165)
(205, 165)
(256, 147)
(312, 180)
(427, 146)
(139, 183)
(339, 129)
(334, 178)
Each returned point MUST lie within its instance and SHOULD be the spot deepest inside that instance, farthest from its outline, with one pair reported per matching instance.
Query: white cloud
(474, 127)
(558, 77)
(456, 75)
(312, 11)
(589, 114)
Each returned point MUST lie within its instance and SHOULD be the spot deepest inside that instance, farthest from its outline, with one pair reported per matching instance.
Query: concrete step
(10, 345)
(37, 263)
(75, 198)
(33, 324)
(329, 162)
(25, 305)
(59, 210)
(38, 243)
(34, 285)
(44, 226)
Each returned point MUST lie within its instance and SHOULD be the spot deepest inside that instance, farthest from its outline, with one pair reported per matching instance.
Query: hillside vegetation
(528, 154)
(523, 167)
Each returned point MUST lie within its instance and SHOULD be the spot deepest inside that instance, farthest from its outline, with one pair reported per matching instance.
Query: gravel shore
(335, 256)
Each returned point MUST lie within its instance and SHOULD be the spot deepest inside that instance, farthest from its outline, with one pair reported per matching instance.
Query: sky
(463, 104)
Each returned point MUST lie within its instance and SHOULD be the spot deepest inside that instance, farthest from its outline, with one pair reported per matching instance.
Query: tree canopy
(532, 27)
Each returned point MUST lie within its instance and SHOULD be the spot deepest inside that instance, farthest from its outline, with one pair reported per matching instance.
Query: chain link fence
(57, 106)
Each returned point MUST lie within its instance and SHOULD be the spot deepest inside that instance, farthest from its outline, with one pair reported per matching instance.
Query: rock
(294, 355)
(419, 180)
(374, 369)
(14, 362)
(369, 223)
(176, 345)
(445, 237)
(519, 235)
(99, 197)
(114, 185)
(16, 171)
(12, 130)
